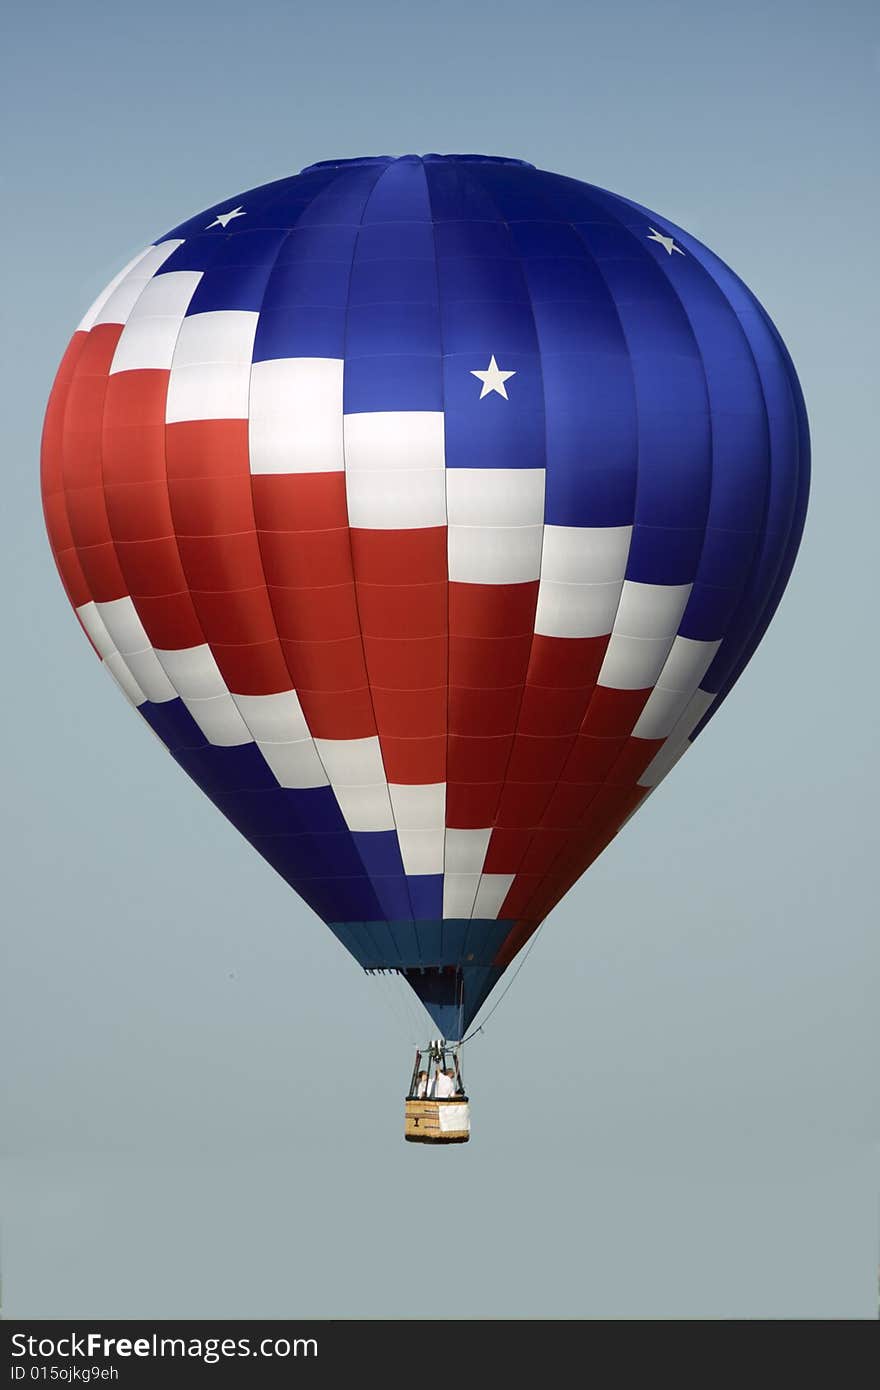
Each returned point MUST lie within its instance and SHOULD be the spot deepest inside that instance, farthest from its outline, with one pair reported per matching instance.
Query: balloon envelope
(427, 509)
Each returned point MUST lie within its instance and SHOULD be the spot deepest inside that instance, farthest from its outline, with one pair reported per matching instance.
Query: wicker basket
(437, 1121)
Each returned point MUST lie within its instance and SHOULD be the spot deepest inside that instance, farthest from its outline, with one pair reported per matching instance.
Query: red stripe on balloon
(402, 609)
(559, 684)
(52, 480)
(82, 464)
(139, 514)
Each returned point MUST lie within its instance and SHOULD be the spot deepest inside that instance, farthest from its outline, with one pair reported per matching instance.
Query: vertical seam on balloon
(383, 170)
(165, 480)
(164, 424)
(77, 547)
(102, 483)
(760, 538)
(446, 503)
(446, 509)
(606, 781)
(563, 857)
(566, 859)
(628, 231)
(328, 185)
(802, 490)
(519, 260)
(712, 481)
(461, 175)
(761, 535)
(691, 243)
(589, 256)
(62, 492)
(265, 585)
(174, 536)
(788, 549)
(522, 915)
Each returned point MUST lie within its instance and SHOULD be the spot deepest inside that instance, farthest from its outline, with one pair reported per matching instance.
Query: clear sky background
(674, 1109)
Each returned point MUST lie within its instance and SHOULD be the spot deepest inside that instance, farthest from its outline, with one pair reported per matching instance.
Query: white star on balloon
(493, 379)
(223, 219)
(667, 242)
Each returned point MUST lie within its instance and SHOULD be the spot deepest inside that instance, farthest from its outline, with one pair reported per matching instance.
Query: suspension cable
(504, 993)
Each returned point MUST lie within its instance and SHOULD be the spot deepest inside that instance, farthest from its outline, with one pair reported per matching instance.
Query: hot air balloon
(427, 508)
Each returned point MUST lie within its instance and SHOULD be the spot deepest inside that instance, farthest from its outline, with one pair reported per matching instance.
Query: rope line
(504, 993)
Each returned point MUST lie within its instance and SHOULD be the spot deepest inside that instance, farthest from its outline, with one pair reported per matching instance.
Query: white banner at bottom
(455, 1117)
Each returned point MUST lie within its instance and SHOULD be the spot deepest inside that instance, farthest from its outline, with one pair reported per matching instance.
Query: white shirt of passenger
(444, 1086)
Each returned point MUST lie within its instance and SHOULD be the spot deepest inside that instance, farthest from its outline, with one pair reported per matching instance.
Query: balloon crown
(367, 160)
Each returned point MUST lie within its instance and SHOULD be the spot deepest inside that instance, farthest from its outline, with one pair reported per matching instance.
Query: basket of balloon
(437, 1109)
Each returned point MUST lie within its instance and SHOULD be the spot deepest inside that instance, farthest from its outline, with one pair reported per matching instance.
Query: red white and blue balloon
(426, 508)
